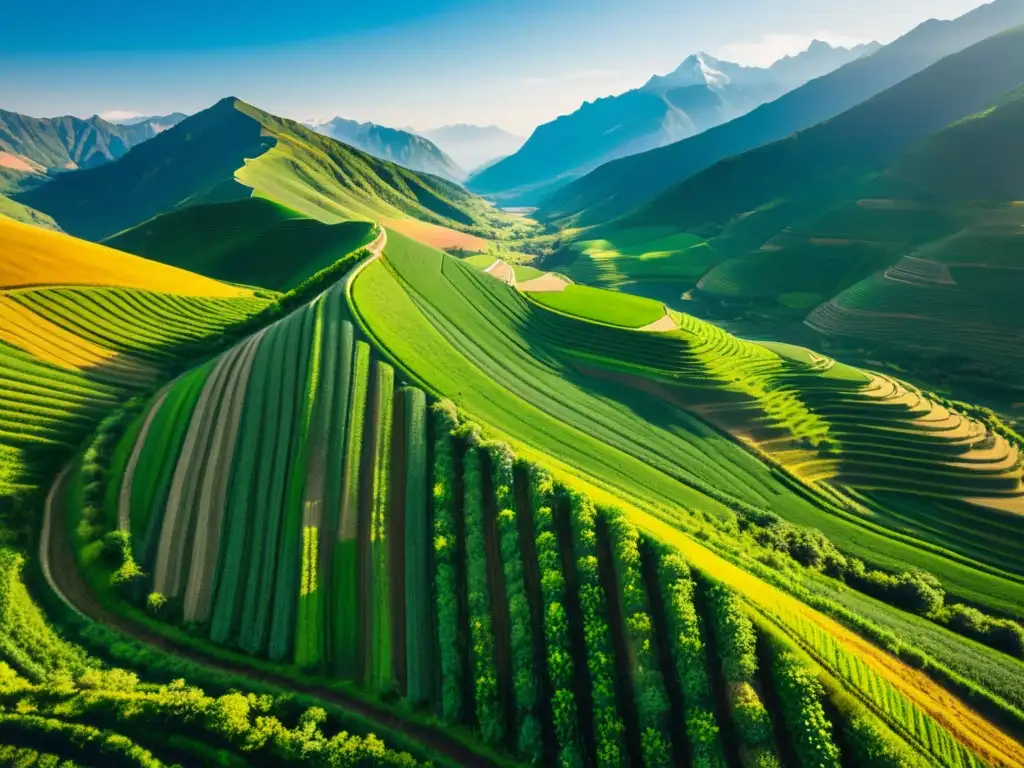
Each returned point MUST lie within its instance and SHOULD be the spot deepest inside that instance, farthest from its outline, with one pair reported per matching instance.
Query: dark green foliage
(559, 660)
(244, 241)
(809, 730)
(686, 635)
(524, 665)
(652, 703)
(490, 719)
(609, 730)
(445, 579)
(737, 651)
(418, 601)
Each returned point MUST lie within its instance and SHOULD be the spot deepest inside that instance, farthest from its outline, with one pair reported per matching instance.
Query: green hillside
(620, 186)
(233, 151)
(578, 547)
(252, 240)
(15, 210)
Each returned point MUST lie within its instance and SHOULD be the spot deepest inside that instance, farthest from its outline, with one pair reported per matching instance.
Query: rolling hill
(252, 240)
(617, 187)
(559, 545)
(701, 93)
(407, 149)
(34, 147)
(233, 151)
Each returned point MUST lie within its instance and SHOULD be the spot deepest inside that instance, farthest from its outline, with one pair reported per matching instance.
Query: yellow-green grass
(12, 209)
(34, 257)
(466, 336)
(618, 309)
(252, 241)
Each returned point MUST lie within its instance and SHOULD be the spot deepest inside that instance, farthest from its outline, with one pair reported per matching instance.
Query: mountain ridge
(405, 148)
(699, 94)
(624, 184)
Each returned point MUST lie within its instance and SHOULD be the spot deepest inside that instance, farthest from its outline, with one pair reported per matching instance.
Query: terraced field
(72, 352)
(955, 298)
(549, 623)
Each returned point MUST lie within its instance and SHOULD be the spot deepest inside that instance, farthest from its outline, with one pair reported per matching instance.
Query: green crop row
(800, 695)
(559, 661)
(648, 682)
(524, 665)
(609, 730)
(737, 650)
(446, 588)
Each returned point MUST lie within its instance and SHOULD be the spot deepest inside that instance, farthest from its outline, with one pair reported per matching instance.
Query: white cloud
(774, 46)
(114, 115)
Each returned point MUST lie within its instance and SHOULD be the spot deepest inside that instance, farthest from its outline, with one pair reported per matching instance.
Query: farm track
(60, 568)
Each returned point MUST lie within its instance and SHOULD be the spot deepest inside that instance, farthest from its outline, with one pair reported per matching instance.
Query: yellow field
(33, 256)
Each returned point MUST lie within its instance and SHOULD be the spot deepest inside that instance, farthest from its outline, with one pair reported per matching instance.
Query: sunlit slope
(252, 241)
(83, 327)
(35, 257)
(233, 151)
(523, 371)
(956, 295)
(618, 187)
(780, 224)
(367, 539)
(12, 209)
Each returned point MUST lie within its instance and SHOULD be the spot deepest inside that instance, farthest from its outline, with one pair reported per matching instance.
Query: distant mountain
(623, 184)
(37, 146)
(701, 93)
(160, 122)
(407, 149)
(234, 150)
(474, 146)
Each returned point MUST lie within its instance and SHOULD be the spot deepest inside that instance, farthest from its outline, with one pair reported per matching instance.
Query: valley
(687, 433)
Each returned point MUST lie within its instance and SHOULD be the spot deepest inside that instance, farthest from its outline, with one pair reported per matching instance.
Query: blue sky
(402, 62)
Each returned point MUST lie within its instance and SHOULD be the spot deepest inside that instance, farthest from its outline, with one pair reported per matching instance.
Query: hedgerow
(559, 661)
(609, 730)
(809, 730)
(445, 570)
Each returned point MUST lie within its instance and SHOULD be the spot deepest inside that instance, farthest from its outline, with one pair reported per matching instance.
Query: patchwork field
(562, 610)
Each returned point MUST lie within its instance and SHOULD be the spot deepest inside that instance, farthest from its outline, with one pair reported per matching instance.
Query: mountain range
(474, 146)
(403, 147)
(621, 185)
(32, 147)
(701, 93)
(234, 150)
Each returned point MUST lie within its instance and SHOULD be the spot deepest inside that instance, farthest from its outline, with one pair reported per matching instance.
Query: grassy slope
(619, 309)
(617, 187)
(12, 209)
(253, 241)
(34, 257)
(197, 161)
(954, 296)
(469, 337)
(779, 189)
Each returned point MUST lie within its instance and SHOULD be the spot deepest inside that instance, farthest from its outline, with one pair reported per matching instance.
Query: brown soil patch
(18, 163)
(664, 325)
(502, 271)
(549, 283)
(436, 236)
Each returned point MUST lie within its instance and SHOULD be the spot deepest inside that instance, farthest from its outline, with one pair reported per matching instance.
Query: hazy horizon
(454, 61)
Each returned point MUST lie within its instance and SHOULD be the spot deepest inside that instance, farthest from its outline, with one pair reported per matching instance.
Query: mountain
(158, 122)
(34, 147)
(623, 184)
(12, 209)
(896, 224)
(407, 149)
(474, 146)
(701, 93)
(234, 150)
